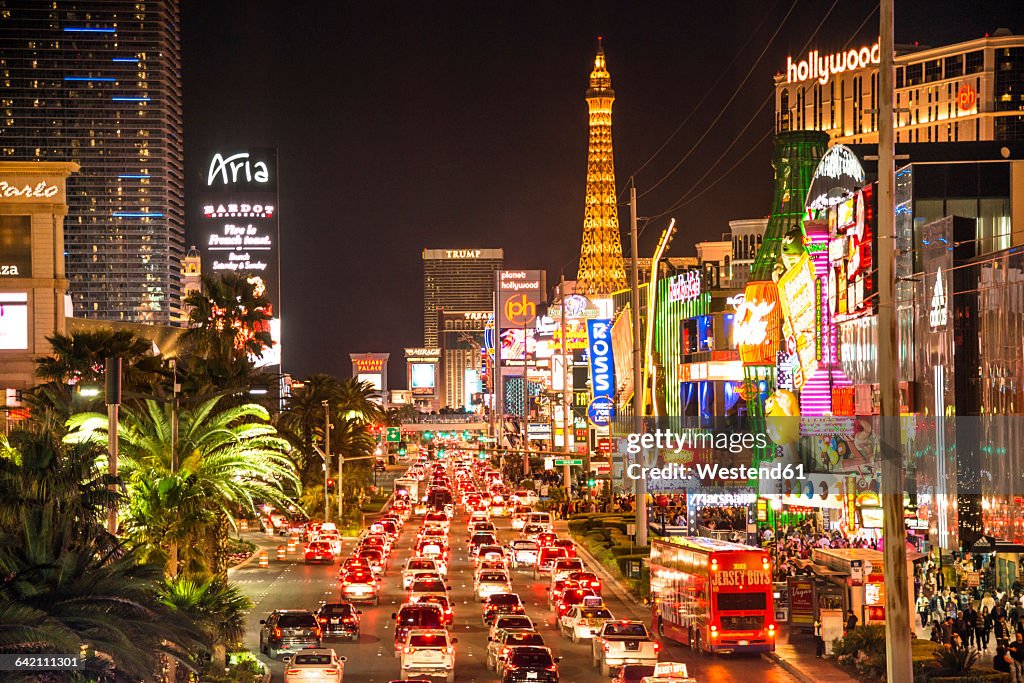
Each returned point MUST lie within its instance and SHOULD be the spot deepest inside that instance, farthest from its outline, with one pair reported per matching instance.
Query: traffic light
(330, 486)
(591, 482)
(401, 449)
(440, 452)
(427, 436)
(465, 435)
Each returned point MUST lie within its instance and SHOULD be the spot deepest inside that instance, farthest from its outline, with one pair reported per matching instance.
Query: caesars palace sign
(822, 68)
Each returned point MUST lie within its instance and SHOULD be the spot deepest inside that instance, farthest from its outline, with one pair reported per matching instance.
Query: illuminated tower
(601, 268)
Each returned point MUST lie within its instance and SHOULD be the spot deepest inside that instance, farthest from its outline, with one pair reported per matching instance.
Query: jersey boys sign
(240, 231)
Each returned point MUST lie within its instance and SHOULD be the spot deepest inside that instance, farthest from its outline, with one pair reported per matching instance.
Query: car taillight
(277, 632)
(410, 650)
(322, 620)
(349, 620)
(657, 647)
(553, 667)
(294, 672)
(330, 672)
(607, 647)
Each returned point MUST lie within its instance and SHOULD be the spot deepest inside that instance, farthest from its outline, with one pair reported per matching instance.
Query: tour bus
(712, 595)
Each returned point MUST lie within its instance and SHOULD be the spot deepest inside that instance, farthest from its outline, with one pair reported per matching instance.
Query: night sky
(404, 125)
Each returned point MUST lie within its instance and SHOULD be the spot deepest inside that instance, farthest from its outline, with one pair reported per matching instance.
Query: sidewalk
(797, 659)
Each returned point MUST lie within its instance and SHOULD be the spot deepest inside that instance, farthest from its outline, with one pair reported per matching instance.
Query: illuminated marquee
(798, 295)
(823, 68)
(757, 324)
(236, 168)
(685, 287)
(462, 253)
(238, 211)
(369, 364)
(41, 190)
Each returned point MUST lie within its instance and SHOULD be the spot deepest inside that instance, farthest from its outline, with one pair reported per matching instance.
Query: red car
(546, 539)
(566, 543)
(570, 598)
(319, 551)
(583, 580)
(441, 601)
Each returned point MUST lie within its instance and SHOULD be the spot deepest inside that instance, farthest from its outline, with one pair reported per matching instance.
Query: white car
(314, 664)
(524, 497)
(519, 517)
(523, 553)
(332, 537)
(581, 622)
(418, 565)
(511, 622)
(565, 566)
(429, 652)
(490, 582)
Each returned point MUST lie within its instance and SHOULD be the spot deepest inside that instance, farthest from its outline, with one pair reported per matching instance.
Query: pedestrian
(984, 628)
(1001, 630)
(1017, 654)
(1002, 661)
(970, 630)
(947, 633)
(851, 621)
(819, 639)
(923, 609)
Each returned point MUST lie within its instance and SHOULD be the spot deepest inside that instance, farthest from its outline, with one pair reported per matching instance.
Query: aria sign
(823, 68)
(235, 169)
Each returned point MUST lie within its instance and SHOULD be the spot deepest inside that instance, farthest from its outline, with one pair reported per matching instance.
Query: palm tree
(227, 462)
(217, 605)
(66, 585)
(356, 401)
(230, 317)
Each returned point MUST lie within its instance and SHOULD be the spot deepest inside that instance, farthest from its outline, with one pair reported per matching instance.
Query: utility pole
(112, 396)
(899, 666)
(638, 390)
(172, 561)
(327, 456)
(566, 401)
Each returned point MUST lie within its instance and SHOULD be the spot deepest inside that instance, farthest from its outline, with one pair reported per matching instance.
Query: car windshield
(638, 630)
(421, 564)
(428, 617)
(358, 577)
(427, 586)
(504, 599)
(525, 545)
(634, 673)
(319, 545)
(493, 576)
(428, 640)
(339, 610)
(514, 622)
(595, 614)
(370, 554)
(569, 564)
(524, 639)
(483, 537)
(297, 621)
(530, 658)
(312, 659)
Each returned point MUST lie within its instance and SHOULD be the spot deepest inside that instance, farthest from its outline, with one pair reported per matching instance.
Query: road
(292, 585)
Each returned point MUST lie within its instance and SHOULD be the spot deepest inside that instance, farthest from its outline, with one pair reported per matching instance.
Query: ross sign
(394, 435)
(520, 292)
(601, 411)
(15, 246)
(823, 68)
(757, 324)
(602, 359)
(939, 314)
(685, 286)
(571, 461)
(798, 296)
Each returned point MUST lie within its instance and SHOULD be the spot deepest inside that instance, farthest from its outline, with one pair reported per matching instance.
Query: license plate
(744, 642)
(335, 620)
(531, 675)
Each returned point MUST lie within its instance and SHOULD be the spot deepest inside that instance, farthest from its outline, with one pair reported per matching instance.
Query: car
(376, 542)
(419, 508)
(582, 622)
(498, 508)
(332, 537)
(523, 553)
(413, 615)
(437, 519)
(319, 551)
(480, 538)
(487, 552)
(546, 560)
(567, 599)
(432, 532)
(432, 547)
(418, 565)
(565, 566)
(519, 517)
(429, 652)
(314, 664)
(568, 544)
(526, 497)
(360, 586)
(338, 619)
(495, 563)
(491, 582)
(499, 646)
(441, 601)
(374, 558)
(481, 525)
(530, 663)
(288, 630)
(584, 580)
(501, 603)
(427, 586)
(354, 563)
(633, 673)
(511, 622)
(541, 518)
(530, 532)
(297, 527)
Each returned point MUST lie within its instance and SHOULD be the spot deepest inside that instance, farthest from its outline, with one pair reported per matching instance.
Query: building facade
(98, 82)
(747, 235)
(965, 92)
(461, 338)
(457, 280)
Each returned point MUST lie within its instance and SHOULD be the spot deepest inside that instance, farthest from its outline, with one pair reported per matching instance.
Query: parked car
(288, 630)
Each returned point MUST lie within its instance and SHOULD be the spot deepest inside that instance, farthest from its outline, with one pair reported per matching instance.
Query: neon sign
(462, 253)
(221, 167)
(756, 325)
(684, 287)
(41, 190)
(823, 68)
(939, 314)
(602, 363)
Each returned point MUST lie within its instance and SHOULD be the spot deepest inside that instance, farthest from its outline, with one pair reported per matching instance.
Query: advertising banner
(240, 225)
(602, 360)
(520, 292)
(799, 298)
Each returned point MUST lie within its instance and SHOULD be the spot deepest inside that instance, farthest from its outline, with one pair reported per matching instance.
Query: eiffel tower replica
(601, 269)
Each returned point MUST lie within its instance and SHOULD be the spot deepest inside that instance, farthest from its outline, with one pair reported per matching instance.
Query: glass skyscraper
(457, 280)
(99, 82)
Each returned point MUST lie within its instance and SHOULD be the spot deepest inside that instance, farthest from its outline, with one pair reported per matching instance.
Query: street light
(776, 508)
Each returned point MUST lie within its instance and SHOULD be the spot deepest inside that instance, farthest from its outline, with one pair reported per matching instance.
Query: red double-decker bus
(713, 595)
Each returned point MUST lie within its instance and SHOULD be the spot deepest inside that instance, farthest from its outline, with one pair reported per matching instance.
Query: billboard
(422, 378)
(15, 246)
(239, 224)
(13, 321)
(622, 351)
(520, 292)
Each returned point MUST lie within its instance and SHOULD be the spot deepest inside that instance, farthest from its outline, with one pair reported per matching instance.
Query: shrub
(577, 527)
(864, 649)
(956, 662)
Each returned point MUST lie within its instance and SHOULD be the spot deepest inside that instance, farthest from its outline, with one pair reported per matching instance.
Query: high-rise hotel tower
(99, 82)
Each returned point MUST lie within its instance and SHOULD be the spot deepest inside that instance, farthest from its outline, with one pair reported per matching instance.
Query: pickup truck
(623, 642)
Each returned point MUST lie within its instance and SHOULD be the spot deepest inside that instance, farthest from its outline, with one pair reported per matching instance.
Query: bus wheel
(689, 639)
(697, 645)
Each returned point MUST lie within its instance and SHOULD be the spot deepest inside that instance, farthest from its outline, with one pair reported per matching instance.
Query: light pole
(327, 459)
(776, 508)
(113, 400)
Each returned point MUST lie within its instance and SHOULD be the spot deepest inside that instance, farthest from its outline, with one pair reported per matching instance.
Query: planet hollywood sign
(823, 68)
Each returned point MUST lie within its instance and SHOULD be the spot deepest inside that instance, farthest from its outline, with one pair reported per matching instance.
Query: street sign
(573, 461)
(394, 435)
(601, 411)
(604, 445)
